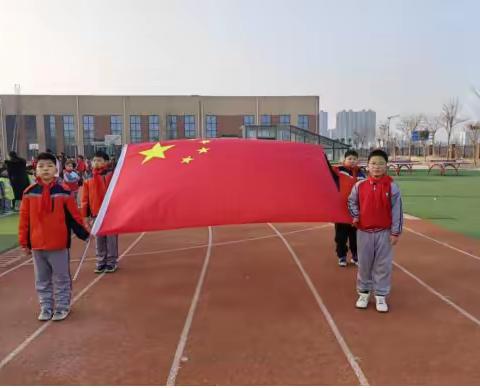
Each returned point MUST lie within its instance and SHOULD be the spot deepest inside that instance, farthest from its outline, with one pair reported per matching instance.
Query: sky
(394, 57)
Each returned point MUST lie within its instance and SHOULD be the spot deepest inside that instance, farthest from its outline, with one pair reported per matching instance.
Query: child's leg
(341, 236)
(382, 269)
(43, 280)
(112, 250)
(60, 262)
(366, 258)
(352, 240)
(101, 250)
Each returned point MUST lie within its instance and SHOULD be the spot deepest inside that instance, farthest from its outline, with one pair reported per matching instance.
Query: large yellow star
(203, 150)
(157, 151)
(187, 160)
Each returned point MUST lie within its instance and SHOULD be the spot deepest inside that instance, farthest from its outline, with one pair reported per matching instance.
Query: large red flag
(189, 183)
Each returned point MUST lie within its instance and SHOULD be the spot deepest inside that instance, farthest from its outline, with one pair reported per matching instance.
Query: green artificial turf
(451, 201)
(8, 232)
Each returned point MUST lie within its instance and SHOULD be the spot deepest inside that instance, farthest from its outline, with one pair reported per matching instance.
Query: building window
(211, 126)
(116, 124)
(266, 120)
(249, 120)
(68, 130)
(153, 128)
(135, 129)
(285, 119)
(303, 121)
(50, 132)
(88, 129)
(171, 127)
(190, 130)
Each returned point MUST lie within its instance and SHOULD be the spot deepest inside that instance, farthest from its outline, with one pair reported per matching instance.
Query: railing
(283, 132)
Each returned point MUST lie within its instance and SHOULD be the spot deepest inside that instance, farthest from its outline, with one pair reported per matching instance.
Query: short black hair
(351, 153)
(101, 154)
(72, 162)
(378, 152)
(47, 156)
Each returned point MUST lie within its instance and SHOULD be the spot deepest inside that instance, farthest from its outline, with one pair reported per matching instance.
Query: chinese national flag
(190, 183)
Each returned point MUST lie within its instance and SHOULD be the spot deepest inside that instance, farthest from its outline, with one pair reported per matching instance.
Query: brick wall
(102, 127)
(60, 139)
(229, 126)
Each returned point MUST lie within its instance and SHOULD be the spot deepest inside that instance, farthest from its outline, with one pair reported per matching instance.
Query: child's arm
(353, 205)
(397, 211)
(76, 222)
(84, 201)
(24, 225)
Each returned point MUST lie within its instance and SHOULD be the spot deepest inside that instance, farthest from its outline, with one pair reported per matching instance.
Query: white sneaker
(362, 301)
(381, 304)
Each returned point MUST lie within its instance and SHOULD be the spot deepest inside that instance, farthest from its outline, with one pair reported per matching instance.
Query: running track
(250, 304)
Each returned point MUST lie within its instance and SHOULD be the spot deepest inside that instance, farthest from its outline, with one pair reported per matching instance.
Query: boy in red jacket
(47, 215)
(93, 193)
(376, 207)
(345, 177)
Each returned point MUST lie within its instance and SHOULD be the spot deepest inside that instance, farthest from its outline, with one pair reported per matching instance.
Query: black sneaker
(342, 261)
(100, 268)
(355, 260)
(111, 268)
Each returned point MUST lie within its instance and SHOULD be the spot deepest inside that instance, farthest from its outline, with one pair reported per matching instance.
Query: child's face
(46, 170)
(350, 161)
(69, 167)
(98, 162)
(377, 166)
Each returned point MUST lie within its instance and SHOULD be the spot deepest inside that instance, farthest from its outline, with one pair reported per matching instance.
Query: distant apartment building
(357, 128)
(323, 123)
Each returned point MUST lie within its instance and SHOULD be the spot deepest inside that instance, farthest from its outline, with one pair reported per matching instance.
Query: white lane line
(14, 268)
(442, 243)
(42, 328)
(228, 242)
(192, 247)
(341, 341)
(188, 322)
(438, 294)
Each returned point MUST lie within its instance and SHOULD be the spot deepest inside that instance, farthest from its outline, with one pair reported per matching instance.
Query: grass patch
(8, 232)
(452, 201)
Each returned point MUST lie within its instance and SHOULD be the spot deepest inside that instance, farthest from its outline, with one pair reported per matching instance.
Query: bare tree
(382, 132)
(407, 125)
(450, 119)
(473, 132)
(433, 124)
(359, 139)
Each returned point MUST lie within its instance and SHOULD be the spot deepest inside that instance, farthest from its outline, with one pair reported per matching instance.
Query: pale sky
(387, 55)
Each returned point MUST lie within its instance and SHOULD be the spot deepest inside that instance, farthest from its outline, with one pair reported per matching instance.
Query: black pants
(344, 233)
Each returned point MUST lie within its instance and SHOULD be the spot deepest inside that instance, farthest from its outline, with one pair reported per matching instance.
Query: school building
(81, 124)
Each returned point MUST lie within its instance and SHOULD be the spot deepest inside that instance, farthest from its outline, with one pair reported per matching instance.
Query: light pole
(388, 131)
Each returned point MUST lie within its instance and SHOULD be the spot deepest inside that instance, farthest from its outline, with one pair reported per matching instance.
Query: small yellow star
(187, 160)
(205, 141)
(157, 151)
(203, 150)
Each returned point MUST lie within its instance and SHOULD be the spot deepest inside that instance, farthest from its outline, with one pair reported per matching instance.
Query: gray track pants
(106, 248)
(52, 278)
(375, 258)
